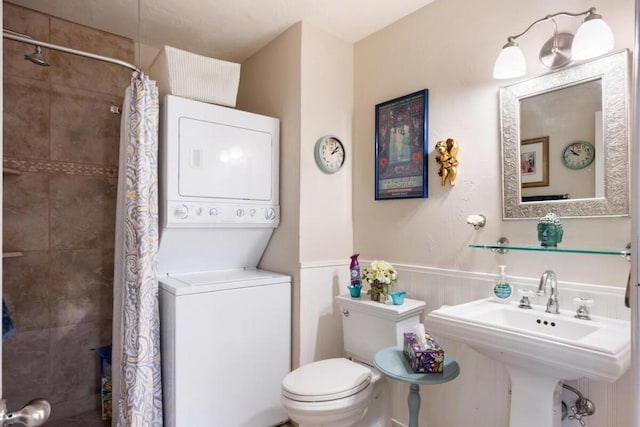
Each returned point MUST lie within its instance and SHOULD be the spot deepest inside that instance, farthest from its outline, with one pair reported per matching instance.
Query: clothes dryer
(225, 325)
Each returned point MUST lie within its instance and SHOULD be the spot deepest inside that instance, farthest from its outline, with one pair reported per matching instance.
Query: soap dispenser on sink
(502, 290)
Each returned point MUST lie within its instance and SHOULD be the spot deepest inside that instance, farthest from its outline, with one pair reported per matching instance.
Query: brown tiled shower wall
(59, 212)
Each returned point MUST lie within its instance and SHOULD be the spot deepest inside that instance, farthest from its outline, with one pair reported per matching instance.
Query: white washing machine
(225, 347)
(225, 325)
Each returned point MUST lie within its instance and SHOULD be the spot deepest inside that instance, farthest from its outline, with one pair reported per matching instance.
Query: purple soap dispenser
(355, 270)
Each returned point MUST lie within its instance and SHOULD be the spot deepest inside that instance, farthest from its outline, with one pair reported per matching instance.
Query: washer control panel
(187, 213)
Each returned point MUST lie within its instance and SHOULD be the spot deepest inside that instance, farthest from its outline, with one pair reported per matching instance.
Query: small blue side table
(392, 363)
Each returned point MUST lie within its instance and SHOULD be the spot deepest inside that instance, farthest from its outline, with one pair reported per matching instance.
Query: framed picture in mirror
(534, 162)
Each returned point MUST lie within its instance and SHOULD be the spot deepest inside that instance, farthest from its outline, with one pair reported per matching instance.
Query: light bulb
(510, 62)
(594, 38)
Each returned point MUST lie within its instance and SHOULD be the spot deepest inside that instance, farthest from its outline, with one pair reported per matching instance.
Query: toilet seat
(326, 380)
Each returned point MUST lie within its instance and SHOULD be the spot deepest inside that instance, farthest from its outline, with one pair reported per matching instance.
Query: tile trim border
(53, 166)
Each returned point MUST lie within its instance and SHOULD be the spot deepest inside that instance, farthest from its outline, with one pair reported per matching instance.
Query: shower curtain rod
(12, 35)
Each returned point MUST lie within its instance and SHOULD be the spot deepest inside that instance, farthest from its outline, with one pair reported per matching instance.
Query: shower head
(37, 57)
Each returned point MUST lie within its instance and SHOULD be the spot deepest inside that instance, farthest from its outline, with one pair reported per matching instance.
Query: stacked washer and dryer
(225, 325)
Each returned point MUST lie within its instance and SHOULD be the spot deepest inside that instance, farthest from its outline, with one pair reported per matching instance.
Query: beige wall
(271, 86)
(450, 47)
(326, 231)
(305, 78)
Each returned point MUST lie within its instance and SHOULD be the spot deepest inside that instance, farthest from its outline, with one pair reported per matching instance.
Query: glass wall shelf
(497, 247)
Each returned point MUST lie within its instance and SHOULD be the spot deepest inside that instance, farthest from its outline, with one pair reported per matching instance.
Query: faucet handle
(583, 304)
(525, 301)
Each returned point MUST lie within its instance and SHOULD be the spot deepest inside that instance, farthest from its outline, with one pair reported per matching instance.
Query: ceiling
(226, 29)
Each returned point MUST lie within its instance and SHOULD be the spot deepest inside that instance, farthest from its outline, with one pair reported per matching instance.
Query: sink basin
(543, 324)
(538, 349)
(559, 344)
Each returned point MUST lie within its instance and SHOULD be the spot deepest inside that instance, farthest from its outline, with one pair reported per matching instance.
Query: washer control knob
(181, 211)
(240, 212)
(270, 214)
(213, 212)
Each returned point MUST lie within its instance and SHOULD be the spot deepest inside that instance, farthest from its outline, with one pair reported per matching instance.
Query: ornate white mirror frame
(613, 69)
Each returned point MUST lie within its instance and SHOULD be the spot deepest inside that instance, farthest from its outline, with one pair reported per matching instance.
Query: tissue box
(429, 361)
(192, 76)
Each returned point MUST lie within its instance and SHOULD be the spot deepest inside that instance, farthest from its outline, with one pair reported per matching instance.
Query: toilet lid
(326, 380)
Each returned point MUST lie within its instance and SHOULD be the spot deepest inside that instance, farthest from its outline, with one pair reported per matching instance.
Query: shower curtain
(137, 389)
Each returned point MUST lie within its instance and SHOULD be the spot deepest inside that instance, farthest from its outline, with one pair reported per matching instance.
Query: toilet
(349, 391)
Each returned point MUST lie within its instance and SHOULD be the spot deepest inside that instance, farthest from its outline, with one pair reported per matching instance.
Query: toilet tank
(369, 326)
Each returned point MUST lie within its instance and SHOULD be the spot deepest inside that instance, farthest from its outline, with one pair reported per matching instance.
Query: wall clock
(329, 153)
(578, 155)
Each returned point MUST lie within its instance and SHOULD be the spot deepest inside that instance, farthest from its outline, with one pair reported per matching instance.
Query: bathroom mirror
(546, 124)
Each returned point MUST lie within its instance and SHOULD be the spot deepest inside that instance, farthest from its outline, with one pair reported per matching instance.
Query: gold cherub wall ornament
(448, 159)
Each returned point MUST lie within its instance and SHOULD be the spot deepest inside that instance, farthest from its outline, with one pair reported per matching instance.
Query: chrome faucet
(552, 304)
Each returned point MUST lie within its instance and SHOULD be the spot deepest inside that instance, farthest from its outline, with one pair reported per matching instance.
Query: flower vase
(379, 291)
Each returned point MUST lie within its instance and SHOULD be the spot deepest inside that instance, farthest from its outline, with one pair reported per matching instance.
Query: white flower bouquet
(381, 271)
(380, 275)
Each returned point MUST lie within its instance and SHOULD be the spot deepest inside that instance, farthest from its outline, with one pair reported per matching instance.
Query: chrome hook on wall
(478, 221)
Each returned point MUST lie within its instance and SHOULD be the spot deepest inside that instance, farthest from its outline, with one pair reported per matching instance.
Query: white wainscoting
(480, 396)
(320, 320)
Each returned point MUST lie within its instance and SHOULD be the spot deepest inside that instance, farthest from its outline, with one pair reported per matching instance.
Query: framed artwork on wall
(534, 162)
(401, 147)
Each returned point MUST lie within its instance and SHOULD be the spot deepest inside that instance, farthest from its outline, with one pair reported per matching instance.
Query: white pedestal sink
(538, 349)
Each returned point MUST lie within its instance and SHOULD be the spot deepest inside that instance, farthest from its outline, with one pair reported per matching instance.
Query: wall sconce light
(593, 38)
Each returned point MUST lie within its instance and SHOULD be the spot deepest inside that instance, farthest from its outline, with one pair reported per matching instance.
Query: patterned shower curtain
(137, 389)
